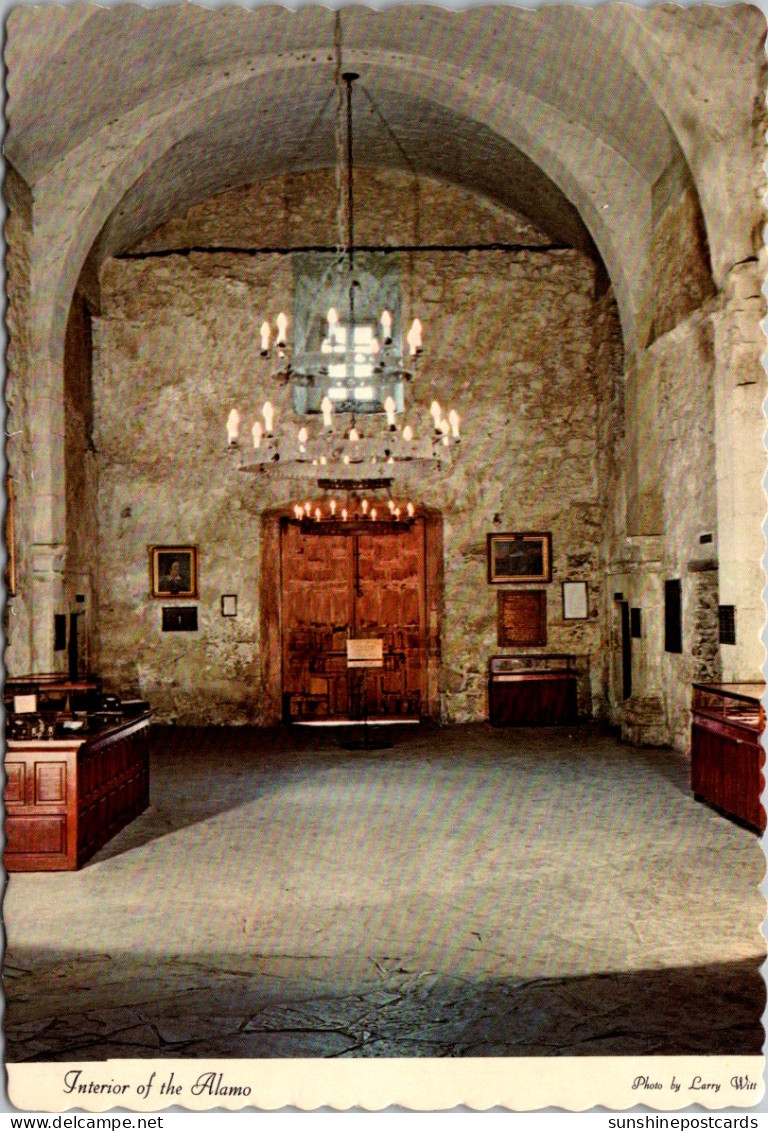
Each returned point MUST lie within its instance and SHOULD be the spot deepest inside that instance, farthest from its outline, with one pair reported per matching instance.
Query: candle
(414, 338)
(386, 327)
(391, 505)
(435, 412)
(408, 433)
(373, 514)
(303, 437)
(318, 514)
(268, 413)
(282, 329)
(389, 408)
(233, 426)
(265, 336)
(354, 435)
(397, 512)
(454, 420)
(333, 506)
(307, 509)
(344, 514)
(410, 508)
(365, 506)
(326, 407)
(257, 431)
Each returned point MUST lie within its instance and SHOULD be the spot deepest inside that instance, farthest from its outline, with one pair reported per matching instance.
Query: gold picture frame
(173, 572)
(522, 559)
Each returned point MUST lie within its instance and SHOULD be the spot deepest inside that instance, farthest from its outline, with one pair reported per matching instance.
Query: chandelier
(360, 367)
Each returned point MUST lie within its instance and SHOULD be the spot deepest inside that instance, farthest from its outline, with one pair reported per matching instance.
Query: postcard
(385, 447)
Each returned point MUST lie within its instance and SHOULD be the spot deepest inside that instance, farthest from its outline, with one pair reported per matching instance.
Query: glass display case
(532, 690)
(557, 662)
(737, 703)
(727, 757)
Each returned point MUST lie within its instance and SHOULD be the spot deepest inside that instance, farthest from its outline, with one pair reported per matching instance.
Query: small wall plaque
(367, 653)
(182, 619)
(575, 605)
(229, 605)
(522, 617)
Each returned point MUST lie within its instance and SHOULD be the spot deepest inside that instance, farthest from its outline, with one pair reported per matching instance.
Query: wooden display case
(66, 797)
(54, 691)
(530, 690)
(727, 757)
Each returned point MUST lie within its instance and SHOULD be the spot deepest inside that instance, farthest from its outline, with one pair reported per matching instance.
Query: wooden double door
(360, 583)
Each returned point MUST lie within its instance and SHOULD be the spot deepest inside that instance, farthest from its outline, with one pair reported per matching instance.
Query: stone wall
(18, 240)
(517, 341)
(81, 480)
(666, 528)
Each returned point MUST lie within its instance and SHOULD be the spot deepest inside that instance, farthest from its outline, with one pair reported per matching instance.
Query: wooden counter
(65, 798)
(727, 758)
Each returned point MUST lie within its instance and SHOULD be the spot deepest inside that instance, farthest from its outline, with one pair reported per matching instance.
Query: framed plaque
(177, 619)
(575, 605)
(365, 653)
(522, 617)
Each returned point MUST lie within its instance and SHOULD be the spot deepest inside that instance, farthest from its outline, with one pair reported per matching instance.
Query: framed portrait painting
(173, 572)
(519, 558)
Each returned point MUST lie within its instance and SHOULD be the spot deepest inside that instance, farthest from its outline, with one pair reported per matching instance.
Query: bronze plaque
(522, 617)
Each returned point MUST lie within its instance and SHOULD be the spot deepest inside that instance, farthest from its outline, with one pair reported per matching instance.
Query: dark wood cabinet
(727, 758)
(65, 798)
(532, 691)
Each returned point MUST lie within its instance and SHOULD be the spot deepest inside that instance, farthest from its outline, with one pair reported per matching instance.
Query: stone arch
(608, 191)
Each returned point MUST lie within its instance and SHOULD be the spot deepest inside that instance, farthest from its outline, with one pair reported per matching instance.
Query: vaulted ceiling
(121, 117)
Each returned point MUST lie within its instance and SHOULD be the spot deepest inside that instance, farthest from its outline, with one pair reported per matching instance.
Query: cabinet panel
(37, 835)
(533, 700)
(15, 778)
(50, 783)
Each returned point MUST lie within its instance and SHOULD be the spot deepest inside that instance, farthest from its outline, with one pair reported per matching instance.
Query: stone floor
(468, 892)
